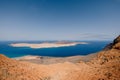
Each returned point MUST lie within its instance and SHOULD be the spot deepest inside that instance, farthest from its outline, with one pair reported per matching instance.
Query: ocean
(80, 49)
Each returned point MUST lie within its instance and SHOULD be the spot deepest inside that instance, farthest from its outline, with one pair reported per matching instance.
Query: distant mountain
(105, 66)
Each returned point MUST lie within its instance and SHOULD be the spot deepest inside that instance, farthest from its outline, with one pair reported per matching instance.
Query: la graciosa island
(46, 44)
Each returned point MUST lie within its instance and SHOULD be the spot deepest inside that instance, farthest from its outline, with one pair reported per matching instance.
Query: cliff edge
(114, 45)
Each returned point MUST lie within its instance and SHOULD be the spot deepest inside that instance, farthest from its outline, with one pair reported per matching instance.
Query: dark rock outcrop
(114, 45)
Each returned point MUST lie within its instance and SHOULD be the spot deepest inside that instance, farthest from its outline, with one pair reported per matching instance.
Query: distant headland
(47, 44)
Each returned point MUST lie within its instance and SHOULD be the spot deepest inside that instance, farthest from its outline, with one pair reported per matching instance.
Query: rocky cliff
(114, 45)
(106, 66)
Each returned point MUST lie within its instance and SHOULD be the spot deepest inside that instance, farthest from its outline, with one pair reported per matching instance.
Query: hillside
(105, 66)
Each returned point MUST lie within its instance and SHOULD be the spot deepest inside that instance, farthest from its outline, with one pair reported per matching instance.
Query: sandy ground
(106, 66)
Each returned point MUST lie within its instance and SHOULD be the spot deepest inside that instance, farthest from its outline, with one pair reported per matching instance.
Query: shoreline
(52, 60)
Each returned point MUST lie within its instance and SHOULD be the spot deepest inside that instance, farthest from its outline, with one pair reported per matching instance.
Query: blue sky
(59, 19)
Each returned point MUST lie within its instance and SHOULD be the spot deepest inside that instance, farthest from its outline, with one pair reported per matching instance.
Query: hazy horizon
(41, 20)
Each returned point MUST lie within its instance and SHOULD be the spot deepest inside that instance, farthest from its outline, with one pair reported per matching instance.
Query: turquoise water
(81, 49)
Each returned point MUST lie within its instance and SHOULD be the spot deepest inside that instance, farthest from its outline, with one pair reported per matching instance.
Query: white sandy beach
(46, 45)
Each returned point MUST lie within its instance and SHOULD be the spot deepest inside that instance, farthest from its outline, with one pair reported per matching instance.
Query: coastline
(52, 60)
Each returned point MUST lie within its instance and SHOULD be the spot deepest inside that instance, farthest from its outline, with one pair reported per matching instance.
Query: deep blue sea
(80, 49)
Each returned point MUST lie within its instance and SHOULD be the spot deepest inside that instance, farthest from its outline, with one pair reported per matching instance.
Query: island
(47, 44)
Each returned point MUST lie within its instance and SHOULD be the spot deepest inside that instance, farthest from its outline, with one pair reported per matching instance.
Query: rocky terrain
(105, 66)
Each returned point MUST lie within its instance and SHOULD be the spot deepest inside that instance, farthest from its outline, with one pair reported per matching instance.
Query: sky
(59, 19)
